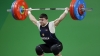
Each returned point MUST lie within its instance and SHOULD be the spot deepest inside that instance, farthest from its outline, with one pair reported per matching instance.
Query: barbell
(19, 9)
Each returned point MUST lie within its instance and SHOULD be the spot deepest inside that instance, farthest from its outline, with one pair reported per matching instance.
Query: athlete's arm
(62, 16)
(31, 17)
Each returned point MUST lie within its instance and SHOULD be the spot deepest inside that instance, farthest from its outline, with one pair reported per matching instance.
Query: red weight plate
(17, 10)
(72, 9)
(18, 13)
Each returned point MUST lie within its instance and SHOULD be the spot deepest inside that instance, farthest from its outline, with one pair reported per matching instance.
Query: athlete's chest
(44, 31)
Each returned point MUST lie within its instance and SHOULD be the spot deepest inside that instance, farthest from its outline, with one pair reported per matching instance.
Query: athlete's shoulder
(52, 26)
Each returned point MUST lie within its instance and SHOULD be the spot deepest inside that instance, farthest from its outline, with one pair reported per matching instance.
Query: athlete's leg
(39, 51)
(42, 48)
(56, 49)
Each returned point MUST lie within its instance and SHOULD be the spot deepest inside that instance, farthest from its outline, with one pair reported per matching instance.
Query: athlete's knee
(56, 49)
(39, 50)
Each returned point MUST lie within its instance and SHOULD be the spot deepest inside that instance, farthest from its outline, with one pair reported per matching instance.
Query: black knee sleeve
(39, 50)
(56, 49)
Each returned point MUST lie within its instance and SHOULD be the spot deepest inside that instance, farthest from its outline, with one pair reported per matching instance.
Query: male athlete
(47, 33)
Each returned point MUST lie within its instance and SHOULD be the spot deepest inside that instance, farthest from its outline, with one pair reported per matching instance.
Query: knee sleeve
(39, 50)
(56, 49)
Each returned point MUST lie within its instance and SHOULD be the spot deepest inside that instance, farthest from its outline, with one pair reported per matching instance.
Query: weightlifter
(47, 33)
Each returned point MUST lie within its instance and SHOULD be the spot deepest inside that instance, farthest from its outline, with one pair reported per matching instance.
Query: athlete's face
(43, 21)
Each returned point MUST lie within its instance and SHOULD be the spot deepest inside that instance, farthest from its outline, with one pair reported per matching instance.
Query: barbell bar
(77, 9)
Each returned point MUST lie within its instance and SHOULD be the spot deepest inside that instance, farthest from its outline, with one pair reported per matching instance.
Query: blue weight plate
(76, 13)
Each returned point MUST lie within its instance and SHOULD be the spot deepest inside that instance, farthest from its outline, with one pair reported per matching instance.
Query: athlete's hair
(43, 15)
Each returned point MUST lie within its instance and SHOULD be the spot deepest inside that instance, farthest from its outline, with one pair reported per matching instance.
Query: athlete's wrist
(29, 10)
(66, 11)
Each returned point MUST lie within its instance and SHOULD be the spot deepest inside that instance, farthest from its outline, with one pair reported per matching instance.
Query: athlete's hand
(29, 10)
(66, 10)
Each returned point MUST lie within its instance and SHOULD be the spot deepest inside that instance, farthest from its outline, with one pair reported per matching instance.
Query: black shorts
(46, 48)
